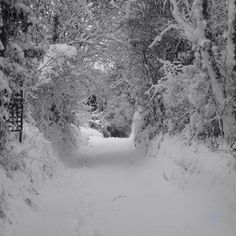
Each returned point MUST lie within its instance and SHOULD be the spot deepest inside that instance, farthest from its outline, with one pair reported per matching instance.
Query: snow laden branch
(196, 34)
(89, 13)
(55, 56)
(205, 46)
(114, 37)
(114, 5)
(127, 10)
(159, 36)
(87, 10)
(180, 19)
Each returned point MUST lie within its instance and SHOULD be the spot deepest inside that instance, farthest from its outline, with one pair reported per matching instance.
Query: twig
(120, 196)
(158, 38)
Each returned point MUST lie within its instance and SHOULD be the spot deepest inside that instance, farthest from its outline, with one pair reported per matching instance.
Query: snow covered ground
(111, 189)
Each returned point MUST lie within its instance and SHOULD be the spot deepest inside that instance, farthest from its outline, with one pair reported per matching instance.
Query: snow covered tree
(201, 92)
(15, 22)
(210, 48)
(56, 97)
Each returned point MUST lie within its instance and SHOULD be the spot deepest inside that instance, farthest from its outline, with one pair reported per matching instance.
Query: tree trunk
(231, 39)
(229, 115)
(4, 35)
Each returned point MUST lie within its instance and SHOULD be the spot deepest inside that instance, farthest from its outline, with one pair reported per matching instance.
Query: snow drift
(27, 166)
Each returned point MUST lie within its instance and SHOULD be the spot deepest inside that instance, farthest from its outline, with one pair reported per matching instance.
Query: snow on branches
(53, 61)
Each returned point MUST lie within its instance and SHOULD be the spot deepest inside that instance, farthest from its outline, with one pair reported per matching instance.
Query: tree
(15, 23)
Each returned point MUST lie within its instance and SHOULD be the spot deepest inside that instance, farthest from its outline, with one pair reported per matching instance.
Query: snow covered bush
(188, 102)
(57, 97)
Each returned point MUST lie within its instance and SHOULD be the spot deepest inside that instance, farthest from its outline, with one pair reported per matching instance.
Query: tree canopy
(174, 61)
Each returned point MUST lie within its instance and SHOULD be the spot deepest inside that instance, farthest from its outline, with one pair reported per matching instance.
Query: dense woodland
(161, 72)
(173, 61)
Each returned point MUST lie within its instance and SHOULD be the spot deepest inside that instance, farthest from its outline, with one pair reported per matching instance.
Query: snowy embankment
(113, 189)
(28, 166)
(198, 169)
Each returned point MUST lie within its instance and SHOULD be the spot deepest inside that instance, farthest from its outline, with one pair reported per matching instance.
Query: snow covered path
(112, 190)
